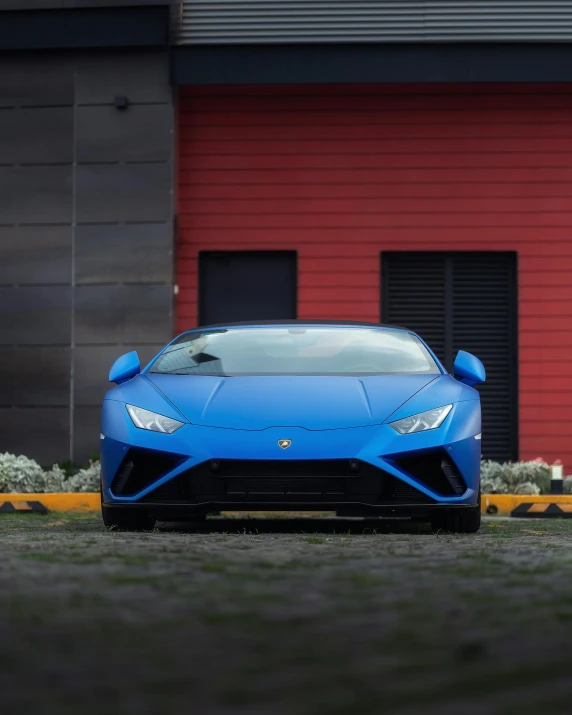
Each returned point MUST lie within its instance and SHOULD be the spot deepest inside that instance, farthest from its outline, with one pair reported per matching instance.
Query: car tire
(125, 519)
(458, 521)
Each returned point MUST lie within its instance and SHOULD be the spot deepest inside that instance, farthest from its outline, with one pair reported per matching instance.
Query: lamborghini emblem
(284, 443)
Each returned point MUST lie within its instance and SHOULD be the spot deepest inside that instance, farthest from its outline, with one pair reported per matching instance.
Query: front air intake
(139, 469)
(255, 482)
(435, 470)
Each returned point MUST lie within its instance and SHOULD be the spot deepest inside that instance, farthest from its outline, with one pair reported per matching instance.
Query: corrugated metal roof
(276, 21)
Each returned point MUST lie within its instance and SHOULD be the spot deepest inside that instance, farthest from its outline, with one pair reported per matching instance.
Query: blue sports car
(357, 418)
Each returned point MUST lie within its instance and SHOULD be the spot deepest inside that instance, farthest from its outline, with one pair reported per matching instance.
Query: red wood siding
(340, 174)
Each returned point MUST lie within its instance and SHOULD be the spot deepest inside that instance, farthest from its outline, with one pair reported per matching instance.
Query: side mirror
(124, 368)
(469, 369)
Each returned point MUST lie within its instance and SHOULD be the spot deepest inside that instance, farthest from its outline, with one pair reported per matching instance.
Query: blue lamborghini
(357, 418)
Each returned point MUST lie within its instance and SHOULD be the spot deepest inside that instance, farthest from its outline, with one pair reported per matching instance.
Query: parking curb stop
(21, 506)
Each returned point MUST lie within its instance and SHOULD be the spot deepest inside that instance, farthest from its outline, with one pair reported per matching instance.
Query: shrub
(86, 480)
(531, 477)
(18, 474)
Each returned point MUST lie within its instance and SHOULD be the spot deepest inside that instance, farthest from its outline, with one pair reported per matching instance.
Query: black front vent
(139, 469)
(437, 471)
(403, 493)
(273, 481)
(275, 468)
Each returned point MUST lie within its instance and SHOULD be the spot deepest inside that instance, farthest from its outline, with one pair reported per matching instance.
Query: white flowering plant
(532, 477)
(19, 474)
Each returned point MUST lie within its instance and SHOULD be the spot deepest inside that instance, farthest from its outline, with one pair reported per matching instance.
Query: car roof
(340, 323)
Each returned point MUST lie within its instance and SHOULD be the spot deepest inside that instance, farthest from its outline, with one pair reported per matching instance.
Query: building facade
(86, 213)
(204, 162)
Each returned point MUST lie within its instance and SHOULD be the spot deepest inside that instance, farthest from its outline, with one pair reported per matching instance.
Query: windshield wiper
(184, 370)
(188, 371)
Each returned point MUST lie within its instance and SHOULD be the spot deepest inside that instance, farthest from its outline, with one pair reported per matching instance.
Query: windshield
(296, 351)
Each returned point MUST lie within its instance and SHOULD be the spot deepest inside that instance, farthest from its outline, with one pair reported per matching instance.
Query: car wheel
(458, 521)
(125, 519)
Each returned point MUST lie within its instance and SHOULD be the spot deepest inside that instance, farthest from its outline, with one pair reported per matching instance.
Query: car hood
(315, 403)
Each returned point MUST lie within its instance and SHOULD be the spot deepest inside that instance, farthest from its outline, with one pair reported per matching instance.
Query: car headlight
(423, 421)
(152, 421)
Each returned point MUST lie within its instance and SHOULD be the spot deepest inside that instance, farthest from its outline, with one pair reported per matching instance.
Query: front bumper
(372, 469)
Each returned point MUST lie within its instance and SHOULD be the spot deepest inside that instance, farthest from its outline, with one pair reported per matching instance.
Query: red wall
(342, 173)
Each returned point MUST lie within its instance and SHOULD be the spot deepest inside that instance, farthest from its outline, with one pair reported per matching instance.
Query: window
(464, 301)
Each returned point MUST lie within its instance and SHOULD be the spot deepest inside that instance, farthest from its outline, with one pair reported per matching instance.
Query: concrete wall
(86, 238)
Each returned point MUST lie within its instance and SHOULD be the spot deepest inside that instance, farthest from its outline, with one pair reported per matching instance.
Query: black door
(464, 301)
(246, 285)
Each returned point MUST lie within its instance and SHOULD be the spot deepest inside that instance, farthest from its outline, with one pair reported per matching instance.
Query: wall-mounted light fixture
(121, 102)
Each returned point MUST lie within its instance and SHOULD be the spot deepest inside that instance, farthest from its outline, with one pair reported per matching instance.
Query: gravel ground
(271, 617)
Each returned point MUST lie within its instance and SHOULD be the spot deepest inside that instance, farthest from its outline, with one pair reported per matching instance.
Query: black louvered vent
(140, 468)
(464, 301)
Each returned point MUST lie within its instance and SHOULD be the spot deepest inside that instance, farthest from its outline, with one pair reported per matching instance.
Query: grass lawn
(266, 616)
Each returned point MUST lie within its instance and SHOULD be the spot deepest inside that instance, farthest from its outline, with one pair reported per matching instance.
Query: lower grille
(312, 481)
(405, 494)
(284, 485)
(287, 468)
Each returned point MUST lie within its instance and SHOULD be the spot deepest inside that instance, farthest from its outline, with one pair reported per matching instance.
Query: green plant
(20, 474)
(530, 477)
(67, 467)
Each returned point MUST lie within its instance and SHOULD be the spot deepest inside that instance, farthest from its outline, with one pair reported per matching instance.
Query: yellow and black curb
(533, 510)
(545, 506)
(43, 503)
(518, 505)
(23, 507)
